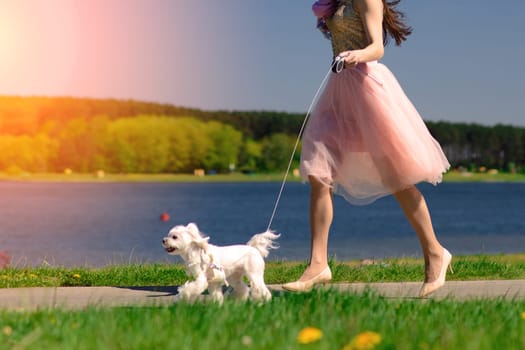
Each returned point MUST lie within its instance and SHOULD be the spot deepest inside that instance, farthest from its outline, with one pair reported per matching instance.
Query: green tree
(82, 143)
(139, 144)
(189, 145)
(276, 151)
(250, 155)
(26, 153)
(225, 146)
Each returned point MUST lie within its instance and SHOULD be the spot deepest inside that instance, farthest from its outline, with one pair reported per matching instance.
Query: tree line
(142, 144)
(39, 134)
(472, 146)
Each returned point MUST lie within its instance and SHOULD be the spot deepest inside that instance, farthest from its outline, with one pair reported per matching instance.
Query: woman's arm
(371, 12)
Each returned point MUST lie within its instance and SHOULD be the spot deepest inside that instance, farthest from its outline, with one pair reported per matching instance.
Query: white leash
(297, 141)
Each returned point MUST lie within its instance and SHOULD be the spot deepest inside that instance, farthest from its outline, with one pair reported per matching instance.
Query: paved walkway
(80, 297)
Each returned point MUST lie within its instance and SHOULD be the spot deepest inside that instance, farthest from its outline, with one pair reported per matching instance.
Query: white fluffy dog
(212, 266)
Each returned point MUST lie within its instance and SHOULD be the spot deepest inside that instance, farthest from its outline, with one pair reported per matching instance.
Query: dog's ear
(194, 230)
(201, 243)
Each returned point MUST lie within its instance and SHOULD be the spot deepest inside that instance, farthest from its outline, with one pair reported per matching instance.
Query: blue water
(99, 224)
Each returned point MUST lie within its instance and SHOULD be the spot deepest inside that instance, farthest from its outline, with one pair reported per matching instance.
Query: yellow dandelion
(76, 275)
(523, 315)
(32, 275)
(364, 341)
(7, 331)
(309, 335)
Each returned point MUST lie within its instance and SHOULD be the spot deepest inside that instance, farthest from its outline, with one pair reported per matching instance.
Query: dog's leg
(190, 291)
(240, 290)
(215, 290)
(258, 290)
(255, 274)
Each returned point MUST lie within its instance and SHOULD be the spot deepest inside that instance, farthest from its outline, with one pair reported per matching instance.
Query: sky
(463, 63)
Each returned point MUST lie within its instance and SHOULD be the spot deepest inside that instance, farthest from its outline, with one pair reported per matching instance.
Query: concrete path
(23, 299)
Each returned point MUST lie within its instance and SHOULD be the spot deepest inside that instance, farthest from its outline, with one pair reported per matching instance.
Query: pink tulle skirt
(366, 140)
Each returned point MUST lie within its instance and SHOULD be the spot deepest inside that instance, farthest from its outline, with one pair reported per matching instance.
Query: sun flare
(10, 41)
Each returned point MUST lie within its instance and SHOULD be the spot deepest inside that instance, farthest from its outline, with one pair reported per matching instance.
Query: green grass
(82, 177)
(400, 269)
(483, 177)
(451, 176)
(402, 324)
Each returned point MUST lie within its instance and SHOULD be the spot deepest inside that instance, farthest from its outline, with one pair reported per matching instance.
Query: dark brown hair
(394, 25)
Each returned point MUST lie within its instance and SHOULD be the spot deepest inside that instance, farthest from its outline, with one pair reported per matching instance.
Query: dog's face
(181, 239)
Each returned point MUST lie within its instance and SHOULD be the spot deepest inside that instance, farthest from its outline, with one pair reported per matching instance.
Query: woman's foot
(437, 282)
(309, 279)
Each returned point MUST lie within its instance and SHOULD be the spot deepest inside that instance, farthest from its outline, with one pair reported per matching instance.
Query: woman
(365, 139)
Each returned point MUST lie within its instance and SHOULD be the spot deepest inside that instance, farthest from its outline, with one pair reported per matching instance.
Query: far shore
(101, 177)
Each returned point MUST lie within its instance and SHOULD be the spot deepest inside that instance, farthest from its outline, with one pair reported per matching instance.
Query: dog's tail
(263, 242)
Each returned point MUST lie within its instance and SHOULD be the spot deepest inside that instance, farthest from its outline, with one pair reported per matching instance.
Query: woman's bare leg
(321, 215)
(415, 208)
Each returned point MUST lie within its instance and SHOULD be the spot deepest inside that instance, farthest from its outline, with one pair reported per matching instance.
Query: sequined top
(346, 28)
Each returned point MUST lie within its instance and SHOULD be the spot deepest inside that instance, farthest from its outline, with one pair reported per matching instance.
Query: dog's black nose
(164, 240)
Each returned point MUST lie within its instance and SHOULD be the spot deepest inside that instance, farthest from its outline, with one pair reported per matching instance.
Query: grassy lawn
(472, 267)
(340, 317)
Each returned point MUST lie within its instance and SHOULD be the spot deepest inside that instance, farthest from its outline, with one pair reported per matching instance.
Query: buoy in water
(164, 217)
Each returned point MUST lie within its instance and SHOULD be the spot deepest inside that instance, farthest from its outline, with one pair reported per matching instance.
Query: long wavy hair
(394, 25)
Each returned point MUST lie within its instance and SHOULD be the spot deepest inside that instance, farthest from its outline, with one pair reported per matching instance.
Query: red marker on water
(164, 217)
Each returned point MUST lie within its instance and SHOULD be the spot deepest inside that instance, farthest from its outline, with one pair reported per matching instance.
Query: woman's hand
(352, 58)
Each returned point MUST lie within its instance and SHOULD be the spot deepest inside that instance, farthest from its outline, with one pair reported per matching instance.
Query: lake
(97, 224)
